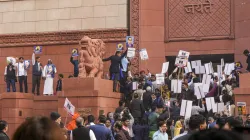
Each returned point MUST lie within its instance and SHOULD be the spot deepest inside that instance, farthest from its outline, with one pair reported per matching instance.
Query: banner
(69, 107)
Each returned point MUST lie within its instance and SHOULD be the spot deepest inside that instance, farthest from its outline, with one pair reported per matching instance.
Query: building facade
(209, 29)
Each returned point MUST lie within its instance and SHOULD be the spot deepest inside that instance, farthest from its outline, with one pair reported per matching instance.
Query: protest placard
(198, 90)
(130, 41)
(209, 103)
(165, 67)
(199, 69)
(38, 49)
(181, 62)
(241, 108)
(135, 85)
(195, 63)
(131, 52)
(143, 54)
(206, 79)
(186, 108)
(209, 68)
(119, 47)
(183, 54)
(74, 52)
(26, 64)
(160, 79)
(11, 60)
(70, 108)
(176, 85)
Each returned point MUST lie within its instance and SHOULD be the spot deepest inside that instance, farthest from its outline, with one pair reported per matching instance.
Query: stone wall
(60, 15)
(153, 20)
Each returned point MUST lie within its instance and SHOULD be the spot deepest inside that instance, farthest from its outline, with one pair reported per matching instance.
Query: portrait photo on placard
(50, 69)
(26, 64)
(119, 47)
(130, 41)
(38, 49)
(74, 52)
(11, 60)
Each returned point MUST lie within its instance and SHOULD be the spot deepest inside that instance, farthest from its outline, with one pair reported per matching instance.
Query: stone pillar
(89, 96)
(15, 108)
(242, 94)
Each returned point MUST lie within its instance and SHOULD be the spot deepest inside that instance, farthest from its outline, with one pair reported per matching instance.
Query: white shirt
(20, 69)
(183, 134)
(91, 135)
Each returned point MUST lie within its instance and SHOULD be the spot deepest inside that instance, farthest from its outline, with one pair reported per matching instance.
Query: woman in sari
(177, 129)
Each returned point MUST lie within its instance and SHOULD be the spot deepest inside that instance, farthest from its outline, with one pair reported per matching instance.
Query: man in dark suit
(120, 108)
(246, 53)
(115, 67)
(81, 132)
(3, 130)
(100, 130)
(136, 108)
(147, 98)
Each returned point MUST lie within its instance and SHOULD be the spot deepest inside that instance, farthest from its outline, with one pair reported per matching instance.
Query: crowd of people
(147, 110)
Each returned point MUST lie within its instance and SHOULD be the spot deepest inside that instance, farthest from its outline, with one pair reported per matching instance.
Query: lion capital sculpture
(90, 57)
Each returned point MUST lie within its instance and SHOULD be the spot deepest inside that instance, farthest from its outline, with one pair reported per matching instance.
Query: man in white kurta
(49, 72)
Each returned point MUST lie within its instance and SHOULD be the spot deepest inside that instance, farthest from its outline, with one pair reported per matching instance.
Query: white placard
(186, 70)
(134, 86)
(70, 108)
(209, 68)
(219, 70)
(199, 70)
(176, 86)
(241, 104)
(183, 107)
(143, 54)
(206, 88)
(165, 67)
(131, 52)
(229, 68)
(220, 107)
(160, 79)
(206, 79)
(186, 107)
(195, 63)
(183, 54)
(222, 62)
(208, 104)
(198, 90)
(181, 62)
(189, 67)
(11, 59)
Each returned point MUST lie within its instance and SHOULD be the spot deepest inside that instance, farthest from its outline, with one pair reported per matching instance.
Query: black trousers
(23, 80)
(123, 82)
(36, 84)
